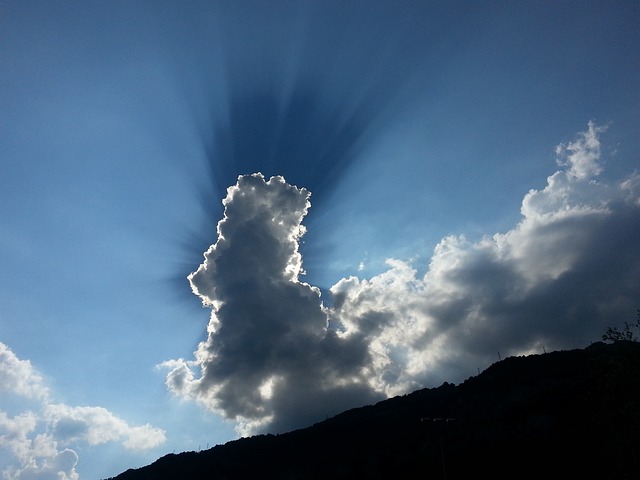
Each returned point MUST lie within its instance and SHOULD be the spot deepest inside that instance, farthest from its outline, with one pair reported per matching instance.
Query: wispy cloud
(36, 440)
(277, 358)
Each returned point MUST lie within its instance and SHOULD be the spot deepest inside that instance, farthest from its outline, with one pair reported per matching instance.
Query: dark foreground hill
(565, 414)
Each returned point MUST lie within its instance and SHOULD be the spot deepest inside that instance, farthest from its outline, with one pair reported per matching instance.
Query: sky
(225, 218)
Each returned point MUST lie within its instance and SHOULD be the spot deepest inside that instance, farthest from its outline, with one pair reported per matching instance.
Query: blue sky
(489, 148)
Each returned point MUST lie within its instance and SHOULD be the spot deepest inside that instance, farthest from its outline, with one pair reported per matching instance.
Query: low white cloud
(276, 358)
(34, 453)
(58, 466)
(97, 425)
(37, 441)
(18, 377)
(15, 433)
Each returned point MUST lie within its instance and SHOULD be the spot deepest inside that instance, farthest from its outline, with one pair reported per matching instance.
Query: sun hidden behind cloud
(277, 358)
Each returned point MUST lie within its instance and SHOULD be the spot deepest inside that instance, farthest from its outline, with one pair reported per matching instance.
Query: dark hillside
(558, 415)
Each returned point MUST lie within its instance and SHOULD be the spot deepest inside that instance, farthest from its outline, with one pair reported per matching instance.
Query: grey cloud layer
(276, 358)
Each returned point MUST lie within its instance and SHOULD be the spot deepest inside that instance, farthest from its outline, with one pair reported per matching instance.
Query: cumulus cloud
(19, 377)
(35, 442)
(569, 268)
(276, 358)
(97, 425)
(582, 156)
(269, 359)
(58, 466)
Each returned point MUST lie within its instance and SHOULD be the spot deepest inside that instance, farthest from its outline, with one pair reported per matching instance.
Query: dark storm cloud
(269, 358)
(276, 358)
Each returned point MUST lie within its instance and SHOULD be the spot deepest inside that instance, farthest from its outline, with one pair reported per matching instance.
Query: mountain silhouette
(563, 414)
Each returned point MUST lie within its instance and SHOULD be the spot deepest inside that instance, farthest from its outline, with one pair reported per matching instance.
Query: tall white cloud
(276, 358)
(35, 443)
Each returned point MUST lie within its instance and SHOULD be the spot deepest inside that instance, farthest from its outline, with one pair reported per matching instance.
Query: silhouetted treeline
(559, 415)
